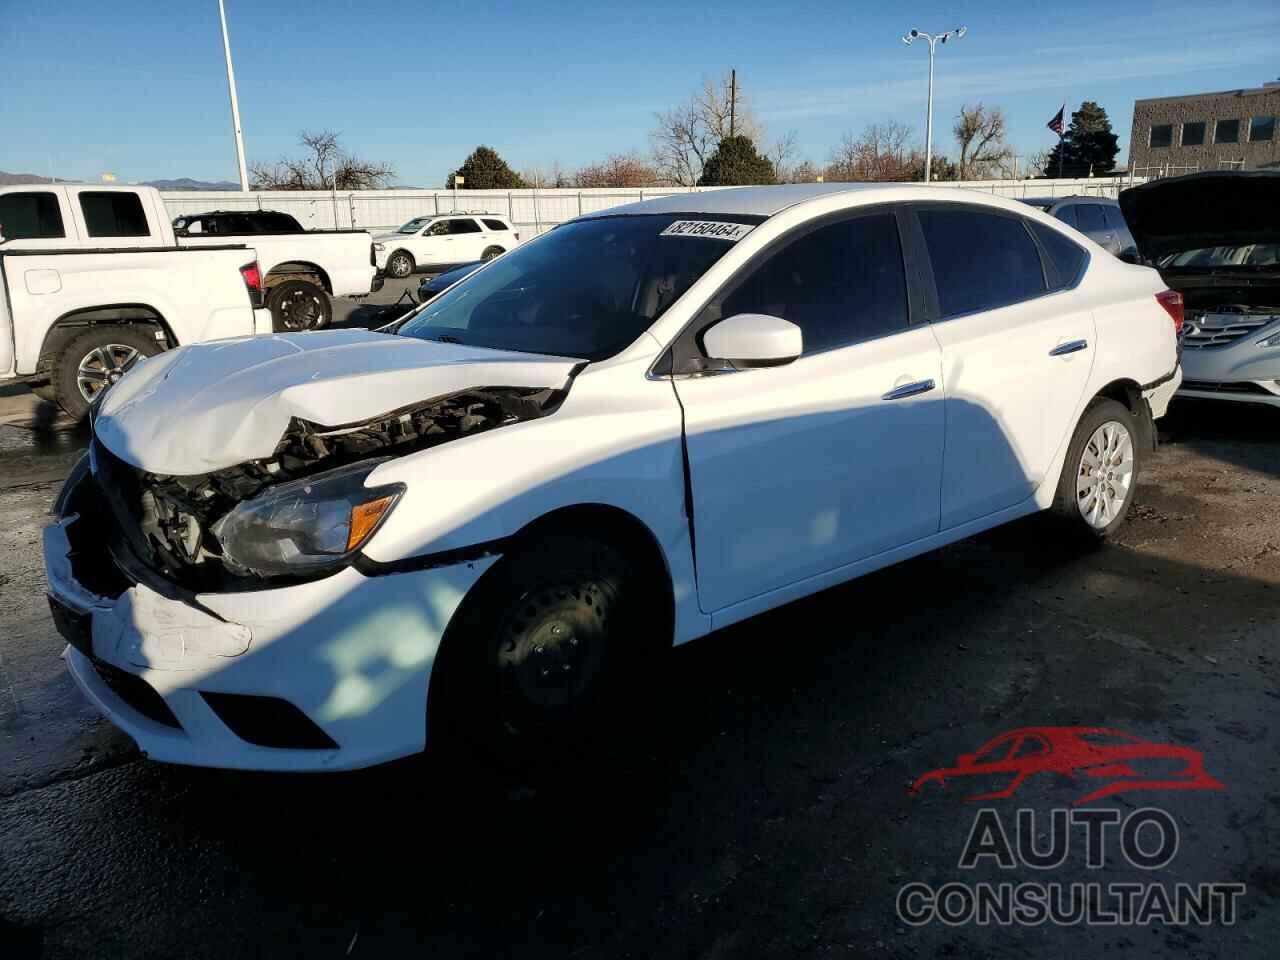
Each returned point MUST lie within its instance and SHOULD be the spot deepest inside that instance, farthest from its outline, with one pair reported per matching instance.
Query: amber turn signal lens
(364, 517)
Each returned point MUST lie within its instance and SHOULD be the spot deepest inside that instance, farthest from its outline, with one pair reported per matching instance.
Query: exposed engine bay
(170, 519)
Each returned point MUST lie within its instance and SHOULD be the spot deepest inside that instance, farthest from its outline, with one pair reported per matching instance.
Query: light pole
(235, 105)
(934, 40)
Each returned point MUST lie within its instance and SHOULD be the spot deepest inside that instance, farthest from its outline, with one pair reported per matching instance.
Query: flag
(1056, 123)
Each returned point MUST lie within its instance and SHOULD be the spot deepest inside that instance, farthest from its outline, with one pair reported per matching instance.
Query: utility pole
(733, 99)
(235, 104)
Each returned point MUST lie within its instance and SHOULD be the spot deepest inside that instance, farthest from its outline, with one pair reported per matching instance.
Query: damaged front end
(299, 514)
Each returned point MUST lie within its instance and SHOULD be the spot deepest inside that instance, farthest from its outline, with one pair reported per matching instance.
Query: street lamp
(235, 105)
(934, 40)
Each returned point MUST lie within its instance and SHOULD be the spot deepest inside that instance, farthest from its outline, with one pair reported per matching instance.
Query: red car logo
(1127, 763)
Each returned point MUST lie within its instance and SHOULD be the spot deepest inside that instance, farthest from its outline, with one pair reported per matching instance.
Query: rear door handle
(909, 390)
(1071, 346)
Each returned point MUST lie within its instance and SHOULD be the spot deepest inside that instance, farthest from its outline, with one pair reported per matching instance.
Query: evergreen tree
(485, 170)
(1088, 146)
(736, 162)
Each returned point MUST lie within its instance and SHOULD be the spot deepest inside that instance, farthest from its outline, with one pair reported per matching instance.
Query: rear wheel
(1100, 474)
(537, 663)
(298, 305)
(400, 264)
(491, 252)
(95, 360)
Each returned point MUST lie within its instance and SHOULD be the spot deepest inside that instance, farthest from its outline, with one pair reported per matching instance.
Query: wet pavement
(768, 812)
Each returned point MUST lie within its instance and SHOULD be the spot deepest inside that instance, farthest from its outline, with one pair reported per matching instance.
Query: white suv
(443, 241)
(307, 551)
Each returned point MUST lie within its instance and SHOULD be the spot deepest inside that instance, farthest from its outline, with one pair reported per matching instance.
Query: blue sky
(137, 87)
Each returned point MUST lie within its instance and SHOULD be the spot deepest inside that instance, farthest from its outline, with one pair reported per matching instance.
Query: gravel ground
(769, 813)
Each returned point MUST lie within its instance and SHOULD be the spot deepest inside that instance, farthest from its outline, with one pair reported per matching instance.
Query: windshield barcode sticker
(714, 229)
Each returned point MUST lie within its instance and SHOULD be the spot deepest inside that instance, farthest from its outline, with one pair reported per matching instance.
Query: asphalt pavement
(769, 811)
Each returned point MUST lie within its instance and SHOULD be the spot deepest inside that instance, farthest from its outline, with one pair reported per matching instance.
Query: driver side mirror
(748, 340)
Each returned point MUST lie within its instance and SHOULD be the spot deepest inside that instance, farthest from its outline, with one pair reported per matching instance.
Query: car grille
(1220, 328)
(1218, 386)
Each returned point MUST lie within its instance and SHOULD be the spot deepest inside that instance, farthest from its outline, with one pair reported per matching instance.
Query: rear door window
(463, 225)
(30, 216)
(1067, 214)
(113, 214)
(495, 225)
(981, 260)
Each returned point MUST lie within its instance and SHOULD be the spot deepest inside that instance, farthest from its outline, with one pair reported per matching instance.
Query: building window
(1226, 131)
(1161, 135)
(1193, 134)
(1261, 129)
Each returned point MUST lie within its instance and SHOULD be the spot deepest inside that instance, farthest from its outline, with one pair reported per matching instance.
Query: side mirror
(753, 340)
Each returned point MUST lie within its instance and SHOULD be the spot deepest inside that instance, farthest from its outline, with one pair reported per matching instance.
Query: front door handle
(1071, 346)
(909, 390)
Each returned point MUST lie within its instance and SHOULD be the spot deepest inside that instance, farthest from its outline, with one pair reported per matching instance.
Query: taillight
(253, 282)
(1171, 300)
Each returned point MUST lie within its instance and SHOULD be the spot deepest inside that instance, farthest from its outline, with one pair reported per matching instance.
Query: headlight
(1271, 341)
(379, 246)
(306, 526)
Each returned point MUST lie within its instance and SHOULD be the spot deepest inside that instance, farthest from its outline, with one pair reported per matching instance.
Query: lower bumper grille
(1218, 386)
(268, 721)
(137, 693)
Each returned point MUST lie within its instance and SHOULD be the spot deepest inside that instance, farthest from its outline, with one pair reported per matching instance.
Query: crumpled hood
(208, 406)
(1211, 209)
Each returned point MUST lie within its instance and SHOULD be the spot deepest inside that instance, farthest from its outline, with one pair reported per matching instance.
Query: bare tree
(618, 170)
(325, 166)
(1036, 165)
(686, 135)
(980, 132)
(553, 176)
(883, 151)
(783, 156)
(804, 172)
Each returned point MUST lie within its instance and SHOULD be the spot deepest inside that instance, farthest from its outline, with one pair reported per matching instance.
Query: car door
(433, 244)
(796, 470)
(1016, 353)
(466, 238)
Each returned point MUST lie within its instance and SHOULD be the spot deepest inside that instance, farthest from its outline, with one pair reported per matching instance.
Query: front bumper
(1240, 370)
(327, 675)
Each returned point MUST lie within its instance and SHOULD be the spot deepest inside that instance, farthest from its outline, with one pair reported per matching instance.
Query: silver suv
(1097, 218)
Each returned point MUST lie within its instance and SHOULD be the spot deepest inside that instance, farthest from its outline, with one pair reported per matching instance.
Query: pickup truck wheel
(1100, 474)
(299, 305)
(95, 360)
(400, 264)
(537, 664)
(492, 252)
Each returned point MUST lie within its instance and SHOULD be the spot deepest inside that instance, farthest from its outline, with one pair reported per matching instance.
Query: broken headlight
(307, 526)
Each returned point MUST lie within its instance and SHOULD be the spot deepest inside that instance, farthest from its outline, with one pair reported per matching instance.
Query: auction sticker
(714, 229)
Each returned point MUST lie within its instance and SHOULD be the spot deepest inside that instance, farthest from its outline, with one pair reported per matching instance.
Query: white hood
(208, 406)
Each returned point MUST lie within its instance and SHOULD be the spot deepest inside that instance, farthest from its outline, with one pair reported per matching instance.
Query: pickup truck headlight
(306, 526)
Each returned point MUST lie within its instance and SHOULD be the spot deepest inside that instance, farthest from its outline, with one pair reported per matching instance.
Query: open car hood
(209, 406)
(1213, 209)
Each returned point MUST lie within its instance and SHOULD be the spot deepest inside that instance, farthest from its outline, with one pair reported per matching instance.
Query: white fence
(532, 211)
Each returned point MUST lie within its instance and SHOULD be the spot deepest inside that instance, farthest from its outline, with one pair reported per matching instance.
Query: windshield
(586, 289)
(414, 225)
(1249, 255)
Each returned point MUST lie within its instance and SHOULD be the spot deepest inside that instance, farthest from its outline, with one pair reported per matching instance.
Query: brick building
(1231, 129)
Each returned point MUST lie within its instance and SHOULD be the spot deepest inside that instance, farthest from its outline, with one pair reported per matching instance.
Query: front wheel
(491, 252)
(95, 360)
(298, 305)
(1100, 474)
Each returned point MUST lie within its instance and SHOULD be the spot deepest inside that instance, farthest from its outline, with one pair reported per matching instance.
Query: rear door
(799, 469)
(1016, 353)
(114, 219)
(467, 239)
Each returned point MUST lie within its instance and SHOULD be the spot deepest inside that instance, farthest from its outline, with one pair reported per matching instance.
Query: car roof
(1072, 196)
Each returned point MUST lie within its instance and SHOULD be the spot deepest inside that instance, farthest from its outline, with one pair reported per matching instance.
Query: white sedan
(441, 241)
(311, 551)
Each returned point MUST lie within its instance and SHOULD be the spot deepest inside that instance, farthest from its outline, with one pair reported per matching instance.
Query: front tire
(535, 667)
(490, 253)
(95, 360)
(298, 305)
(1100, 473)
(400, 264)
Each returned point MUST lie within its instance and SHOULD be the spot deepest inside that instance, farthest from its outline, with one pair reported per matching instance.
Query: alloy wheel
(1105, 474)
(103, 366)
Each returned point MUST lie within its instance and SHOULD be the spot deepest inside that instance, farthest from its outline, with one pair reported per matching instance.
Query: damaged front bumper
(326, 675)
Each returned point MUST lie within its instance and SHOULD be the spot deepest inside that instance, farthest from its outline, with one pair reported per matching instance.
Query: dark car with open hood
(1215, 237)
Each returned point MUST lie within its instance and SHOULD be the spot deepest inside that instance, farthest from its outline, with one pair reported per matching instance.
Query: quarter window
(1067, 214)
(840, 284)
(496, 225)
(1193, 134)
(463, 225)
(1226, 131)
(1261, 129)
(981, 261)
(1161, 135)
(1067, 257)
(112, 214)
(30, 216)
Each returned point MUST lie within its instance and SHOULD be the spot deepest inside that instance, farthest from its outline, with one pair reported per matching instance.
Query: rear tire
(298, 305)
(1100, 473)
(490, 253)
(400, 264)
(96, 359)
(536, 666)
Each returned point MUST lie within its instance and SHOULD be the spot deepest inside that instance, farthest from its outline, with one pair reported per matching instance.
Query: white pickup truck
(86, 289)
